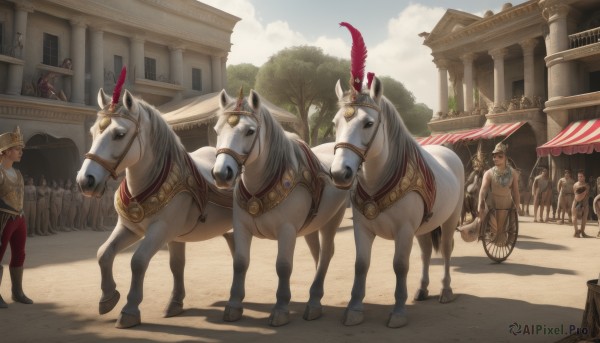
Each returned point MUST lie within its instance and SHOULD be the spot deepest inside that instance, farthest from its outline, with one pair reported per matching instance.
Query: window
(2, 48)
(518, 89)
(50, 50)
(118, 65)
(197, 79)
(149, 68)
(594, 81)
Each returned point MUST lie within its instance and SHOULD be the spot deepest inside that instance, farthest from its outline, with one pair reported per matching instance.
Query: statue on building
(45, 84)
(514, 104)
(42, 207)
(66, 206)
(525, 103)
(29, 206)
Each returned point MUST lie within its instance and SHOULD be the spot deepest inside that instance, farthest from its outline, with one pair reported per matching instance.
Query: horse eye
(119, 135)
(250, 132)
(368, 124)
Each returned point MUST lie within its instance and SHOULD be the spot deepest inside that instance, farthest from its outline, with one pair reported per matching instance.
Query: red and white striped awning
(580, 137)
(450, 137)
(494, 130)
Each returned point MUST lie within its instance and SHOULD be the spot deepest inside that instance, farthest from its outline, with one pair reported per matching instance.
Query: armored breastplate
(11, 193)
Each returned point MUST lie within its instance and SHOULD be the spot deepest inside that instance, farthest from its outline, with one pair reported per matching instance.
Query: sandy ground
(541, 286)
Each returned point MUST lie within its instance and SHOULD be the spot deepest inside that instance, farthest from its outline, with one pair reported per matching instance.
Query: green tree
(239, 75)
(415, 116)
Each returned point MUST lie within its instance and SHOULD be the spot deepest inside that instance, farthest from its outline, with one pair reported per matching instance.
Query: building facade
(522, 75)
(55, 55)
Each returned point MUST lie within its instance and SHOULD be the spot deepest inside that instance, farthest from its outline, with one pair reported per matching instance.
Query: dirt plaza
(537, 295)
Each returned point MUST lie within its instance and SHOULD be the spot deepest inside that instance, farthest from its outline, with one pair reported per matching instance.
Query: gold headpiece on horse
(358, 57)
(11, 139)
(111, 111)
(234, 115)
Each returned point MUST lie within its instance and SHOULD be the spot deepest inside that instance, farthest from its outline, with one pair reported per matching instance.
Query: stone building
(524, 75)
(56, 54)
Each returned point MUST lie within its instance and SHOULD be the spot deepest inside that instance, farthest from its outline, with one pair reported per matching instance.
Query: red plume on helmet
(118, 88)
(358, 56)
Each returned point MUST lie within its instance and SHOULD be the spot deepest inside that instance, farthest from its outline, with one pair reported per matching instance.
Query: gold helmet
(500, 148)
(11, 139)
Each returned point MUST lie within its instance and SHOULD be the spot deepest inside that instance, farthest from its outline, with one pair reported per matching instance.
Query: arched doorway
(55, 158)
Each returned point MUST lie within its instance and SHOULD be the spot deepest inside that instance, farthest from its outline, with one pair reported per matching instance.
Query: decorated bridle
(106, 115)
(357, 70)
(233, 119)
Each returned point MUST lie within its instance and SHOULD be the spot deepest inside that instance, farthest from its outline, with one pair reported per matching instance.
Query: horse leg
(120, 239)
(241, 260)
(155, 238)
(177, 264)
(314, 309)
(229, 239)
(312, 240)
(446, 247)
(286, 242)
(403, 246)
(426, 249)
(364, 242)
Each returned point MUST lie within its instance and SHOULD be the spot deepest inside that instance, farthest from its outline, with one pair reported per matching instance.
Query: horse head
(116, 129)
(357, 127)
(238, 131)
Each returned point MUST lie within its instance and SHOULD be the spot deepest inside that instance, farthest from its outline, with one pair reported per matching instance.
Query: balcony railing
(583, 38)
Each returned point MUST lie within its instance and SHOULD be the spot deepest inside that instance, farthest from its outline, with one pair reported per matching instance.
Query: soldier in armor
(30, 208)
(565, 196)
(13, 228)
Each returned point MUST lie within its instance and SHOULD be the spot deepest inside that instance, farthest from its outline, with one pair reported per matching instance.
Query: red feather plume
(358, 57)
(119, 86)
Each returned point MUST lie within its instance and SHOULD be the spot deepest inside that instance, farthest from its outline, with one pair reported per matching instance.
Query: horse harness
(413, 173)
(170, 182)
(308, 176)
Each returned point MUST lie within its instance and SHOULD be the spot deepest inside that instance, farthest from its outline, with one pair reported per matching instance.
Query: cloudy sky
(390, 29)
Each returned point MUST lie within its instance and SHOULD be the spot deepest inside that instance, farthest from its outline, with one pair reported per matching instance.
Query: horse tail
(436, 237)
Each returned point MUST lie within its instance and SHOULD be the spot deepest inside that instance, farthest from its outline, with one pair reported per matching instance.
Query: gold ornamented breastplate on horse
(413, 174)
(11, 193)
(278, 190)
(171, 181)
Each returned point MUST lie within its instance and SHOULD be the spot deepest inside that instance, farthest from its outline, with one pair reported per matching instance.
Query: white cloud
(401, 55)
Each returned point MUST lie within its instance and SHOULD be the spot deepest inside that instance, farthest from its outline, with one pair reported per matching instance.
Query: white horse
(167, 196)
(402, 190)
(283, 193)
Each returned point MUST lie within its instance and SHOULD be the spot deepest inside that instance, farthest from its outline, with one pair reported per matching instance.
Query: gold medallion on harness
(135, 212)
(272, 195)
(349, 112)
(104, 122)
(306, 175)
(233, 120)
(370, 210)
(393, 196)
(254, 206)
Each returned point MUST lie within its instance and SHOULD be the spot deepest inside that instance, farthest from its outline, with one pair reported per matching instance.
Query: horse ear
(103, 99)
(338, 90)
(254, 100)
(128, 101)
(224, 99)
(376, 90)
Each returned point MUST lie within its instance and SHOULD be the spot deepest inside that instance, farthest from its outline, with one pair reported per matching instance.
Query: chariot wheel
(499, 247)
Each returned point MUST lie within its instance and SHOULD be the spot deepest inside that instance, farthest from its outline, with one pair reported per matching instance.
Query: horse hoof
(105, 306)
(397, 320)
(446, 296)
(353, 317)
(127, 320)
(421, 295)
(232, 314)
(279, 318)
(312, 312)
(174, 309)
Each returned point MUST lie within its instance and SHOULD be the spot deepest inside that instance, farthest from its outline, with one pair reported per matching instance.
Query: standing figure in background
(95, 214)
(106, 204)
(580, 207)
(73, 209)
(542, 195)
(13, 228)
(56, 195)
(565, 196)
(525, 193)
(30, 199)
(42, 217)
(45, 83)
(84, 212)
(66, 207)
(593, 193)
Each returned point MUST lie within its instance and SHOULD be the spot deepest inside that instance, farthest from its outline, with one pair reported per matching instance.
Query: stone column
(97, 61)
(499, 92)
(15, 71)
(224, 73)
(528, 67)
(136, 59)
(176, 68)
(467, 60)
(78, 59)
(217, 79)
(442, 66)
(559, 84)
